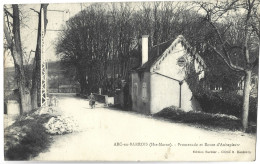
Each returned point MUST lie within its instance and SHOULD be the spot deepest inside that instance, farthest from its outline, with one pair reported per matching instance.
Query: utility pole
(63, 16)
(43, 64)
(64, 19)
(44, 70)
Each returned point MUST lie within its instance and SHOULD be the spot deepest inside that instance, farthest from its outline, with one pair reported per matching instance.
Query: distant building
(253, 86)
(70, 88)
(160, 81)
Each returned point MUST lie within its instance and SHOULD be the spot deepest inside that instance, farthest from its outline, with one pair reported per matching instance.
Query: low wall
(13, 107)
(110, 101)
(100, 98)
(104, 99)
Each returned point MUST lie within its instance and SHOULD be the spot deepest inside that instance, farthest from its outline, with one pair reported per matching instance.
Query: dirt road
(111, 135)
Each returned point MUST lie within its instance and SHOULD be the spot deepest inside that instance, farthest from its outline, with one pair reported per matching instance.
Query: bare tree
(13, 40)
(230, 43)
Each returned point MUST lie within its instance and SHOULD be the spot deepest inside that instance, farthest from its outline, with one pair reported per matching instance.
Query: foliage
(34, 142)
(225, 102)
(201, 119)
(103, 40)
(236, 28)
(26, 138)
(217, 72)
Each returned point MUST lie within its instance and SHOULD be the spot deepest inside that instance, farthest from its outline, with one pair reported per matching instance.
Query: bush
(26, 138)
(31, 144)
(202, 120)
(226, 103)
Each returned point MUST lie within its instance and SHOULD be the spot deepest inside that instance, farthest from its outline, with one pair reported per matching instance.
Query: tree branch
(227, 61)
(8, 37)
(255, 63)
(8, 22)
(35, 11)
(7, 12)
(256, 30)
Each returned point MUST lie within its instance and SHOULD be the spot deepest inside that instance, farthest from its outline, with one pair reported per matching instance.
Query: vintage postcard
(131, 81)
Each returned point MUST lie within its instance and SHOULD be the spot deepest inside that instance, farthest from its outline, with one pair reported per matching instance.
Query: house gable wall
(169, 67)
(163, 80)
(165, 92)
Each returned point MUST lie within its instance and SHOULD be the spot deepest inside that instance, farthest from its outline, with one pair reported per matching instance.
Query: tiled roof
(154, 53)
(158, 51)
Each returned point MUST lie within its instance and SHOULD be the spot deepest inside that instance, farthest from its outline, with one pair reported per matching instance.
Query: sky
(55, 18)
(55, 21)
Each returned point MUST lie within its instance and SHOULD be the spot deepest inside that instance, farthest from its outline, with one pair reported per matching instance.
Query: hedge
(226, 103)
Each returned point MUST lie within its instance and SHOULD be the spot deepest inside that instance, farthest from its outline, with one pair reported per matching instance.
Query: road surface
(112, 135)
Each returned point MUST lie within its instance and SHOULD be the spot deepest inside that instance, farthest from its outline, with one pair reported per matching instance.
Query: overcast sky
(55, 20)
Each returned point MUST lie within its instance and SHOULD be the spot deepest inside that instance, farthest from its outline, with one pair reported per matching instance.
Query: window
(144, 92)
(181, 61)
(135, 90)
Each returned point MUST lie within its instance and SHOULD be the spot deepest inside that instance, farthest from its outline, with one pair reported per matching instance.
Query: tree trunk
(82, 79)
(17, 54)
(24, 94)
(82, 85)
(246, 96)
(36, 78)
(25, 99)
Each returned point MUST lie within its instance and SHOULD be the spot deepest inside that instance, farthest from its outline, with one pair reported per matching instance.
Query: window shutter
(135, 89)
(144, 92)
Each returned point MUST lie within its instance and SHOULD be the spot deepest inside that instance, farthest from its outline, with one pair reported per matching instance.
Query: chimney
(144, 49)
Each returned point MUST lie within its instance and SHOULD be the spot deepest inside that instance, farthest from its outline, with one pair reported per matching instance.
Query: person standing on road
(92, 101)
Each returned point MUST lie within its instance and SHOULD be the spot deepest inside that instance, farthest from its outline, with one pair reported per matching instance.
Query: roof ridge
(164, 48)
(178, 37)
(162, 43)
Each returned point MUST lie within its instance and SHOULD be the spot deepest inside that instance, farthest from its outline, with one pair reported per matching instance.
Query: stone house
(160, 81)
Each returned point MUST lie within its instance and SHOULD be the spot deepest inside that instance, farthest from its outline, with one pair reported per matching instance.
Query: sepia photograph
(130, 81)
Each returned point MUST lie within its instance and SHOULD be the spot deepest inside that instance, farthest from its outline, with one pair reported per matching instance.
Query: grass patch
(27, 137)
(203, 120)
